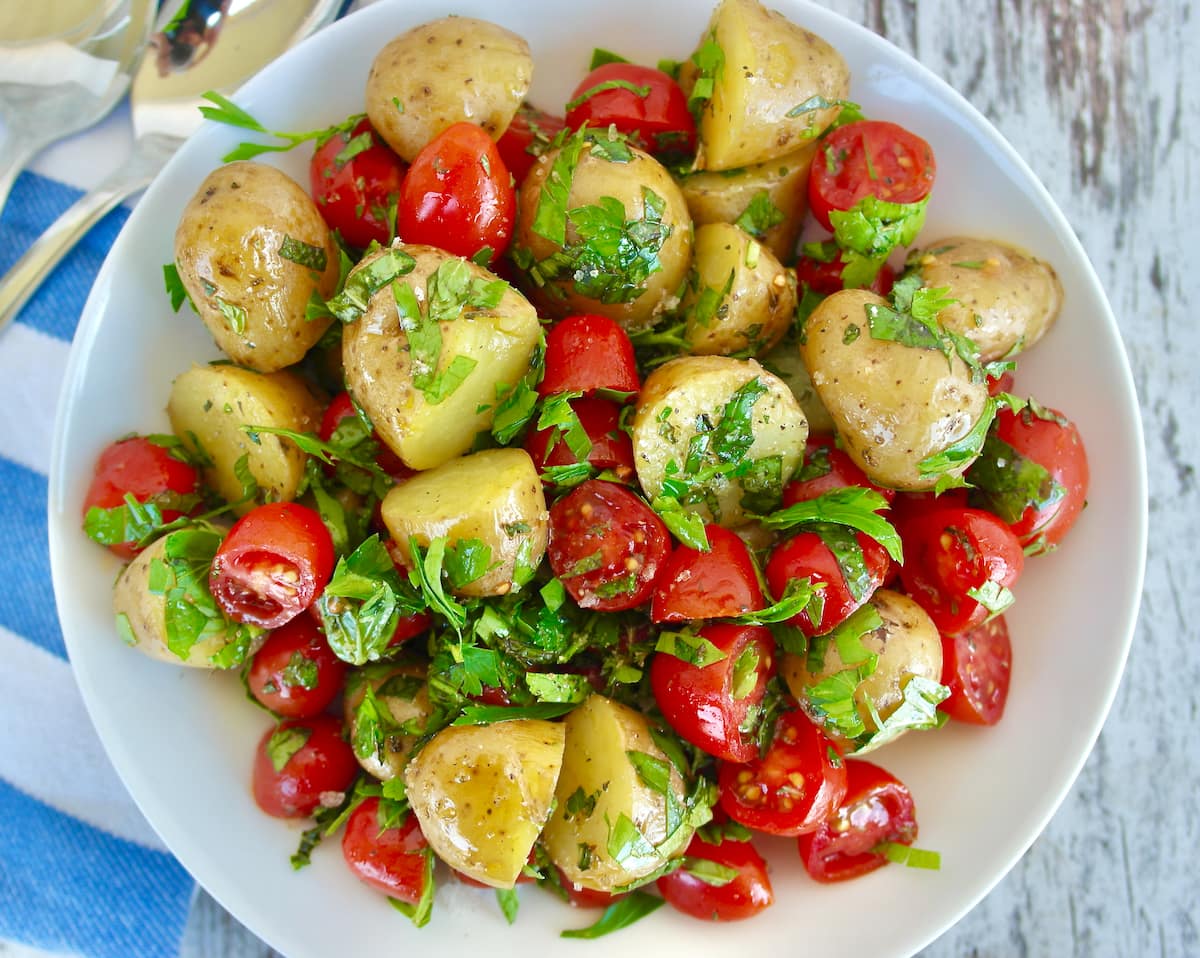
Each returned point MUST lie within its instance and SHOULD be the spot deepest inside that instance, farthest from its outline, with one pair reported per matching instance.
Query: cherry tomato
(302, 764)
(976, 668)
(909, 505)
(356, 180)
(585, 353)
(712, 705)
(527, 137)
(389, 856)
(869, 158)
(341, 408)
(582, 897)
(458, 195)
(741, 897)
(826, 468)
(825, 276)
(272, 565)
(878, 808)
(295, 673)
(951, 553)
(707, 585)
(606, 545)
(611, 447)
(149, 473)
(809, 555)
(642, 102)
(790, 790)
(1000, 384)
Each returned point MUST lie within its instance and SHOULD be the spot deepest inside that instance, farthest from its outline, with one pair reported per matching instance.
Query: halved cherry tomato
(527, 137)
(825, 276)
(272, 565)
(611, 447)
(808, 554)
(642, 102)
(581, 897)
(458, 195)
(869, 158)
(390, 856)
(356, 180)
(301, 764)
(585, 353)
(149, 473)
(826, 468)
(707, 585)
(713, 706)
(953, 557)
(295, 673)
(790, 790)
(976, 668)
(341, 408)
(878, 808)
(743, 896)
(606, 545)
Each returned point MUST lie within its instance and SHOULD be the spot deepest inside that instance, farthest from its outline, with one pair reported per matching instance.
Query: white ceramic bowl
(182, 740)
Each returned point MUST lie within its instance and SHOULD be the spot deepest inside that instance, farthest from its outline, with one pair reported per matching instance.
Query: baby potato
(574, 271)
(739, 299)
(400, 696)
(494, 497)
(405, 392)
(1006, 299)
(483, 792)
(452, 70)
(688, 396)
(764, 191)
(208, 407)
(776, 91)
(893, 405)
(907, 644)
(600, 788)
(251, 249)
(785, 362)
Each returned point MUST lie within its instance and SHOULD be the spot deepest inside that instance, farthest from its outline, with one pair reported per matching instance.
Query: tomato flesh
(825, 276)
(611, 448)
(295, 673)
(388, 857)
(641, 102)
(529, 134)
(826, 468)
(744, 896)
(340, 409)
(585, 353)
(707, 585)
(357, 189)
(977, 667)
(302, 764)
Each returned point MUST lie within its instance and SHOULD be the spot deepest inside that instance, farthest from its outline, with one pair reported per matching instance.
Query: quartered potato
(379, 725)
(483, 792)
(687, 396)
(449, 71)
(1006, 299)
(894, 405)
(251, 249)
(493, 497)
(210, 405)
(428, 406)
(776, 90)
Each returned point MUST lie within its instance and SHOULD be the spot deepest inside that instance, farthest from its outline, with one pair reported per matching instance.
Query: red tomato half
(356, 180)
(976, 667)
(826, 468)
(528, 135)
(272, 565)
(793, 788)
(606, 545)
(709, 705)
(295, 673)
(825, 277)
(458, 195)
(611, 449)
(585, 353)
(642, 102)
(145, 470)
(868, 158)
(389, 857)
(301, 764)
(950, 553)
(742, 897)
(878, 808)
(707, 585)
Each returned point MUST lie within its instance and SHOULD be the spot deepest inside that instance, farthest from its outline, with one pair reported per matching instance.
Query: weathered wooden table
(1102, 97)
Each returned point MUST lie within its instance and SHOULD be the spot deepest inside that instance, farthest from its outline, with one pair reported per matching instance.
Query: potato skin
(444, 72)
(208, 406)
(1007, 299)
(758, 309)
(227, 250)
(594, 178)
(894, 405)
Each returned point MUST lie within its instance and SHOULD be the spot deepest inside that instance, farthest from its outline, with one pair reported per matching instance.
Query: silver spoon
(199, 45)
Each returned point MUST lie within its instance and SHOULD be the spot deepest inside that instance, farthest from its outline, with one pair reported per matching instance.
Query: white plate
(182, 740)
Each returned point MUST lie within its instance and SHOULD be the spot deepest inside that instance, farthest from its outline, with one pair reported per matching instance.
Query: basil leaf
(852, 506)
(284, 743)
(490, 714)
(304, 254)
(550, 218)
(620, 914)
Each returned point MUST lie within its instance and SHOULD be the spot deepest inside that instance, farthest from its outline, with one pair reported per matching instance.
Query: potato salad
(586, 488)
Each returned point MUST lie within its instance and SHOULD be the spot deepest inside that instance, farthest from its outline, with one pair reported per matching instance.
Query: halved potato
(399, 696)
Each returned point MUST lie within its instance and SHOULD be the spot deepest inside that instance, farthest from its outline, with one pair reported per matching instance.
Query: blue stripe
(35, 202)
(28, 604)
(65, 886)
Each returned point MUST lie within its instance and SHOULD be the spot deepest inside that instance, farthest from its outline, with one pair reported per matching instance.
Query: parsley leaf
(760, 215)
(175, 288)
(550, 218)
(303, 254)
(368, 278)
(620, 914)
(853, 506)
(870, 231)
